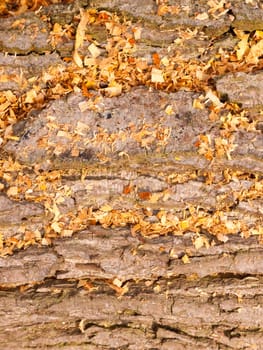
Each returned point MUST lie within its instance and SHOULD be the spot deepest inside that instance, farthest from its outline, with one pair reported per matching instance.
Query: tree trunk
(131, 204)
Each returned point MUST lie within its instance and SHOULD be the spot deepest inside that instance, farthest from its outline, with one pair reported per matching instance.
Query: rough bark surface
(142, 239)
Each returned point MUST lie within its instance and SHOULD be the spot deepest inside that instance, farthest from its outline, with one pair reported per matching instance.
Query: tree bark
(133, 221)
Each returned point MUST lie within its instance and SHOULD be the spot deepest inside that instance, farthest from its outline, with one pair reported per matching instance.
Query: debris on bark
(131, 174)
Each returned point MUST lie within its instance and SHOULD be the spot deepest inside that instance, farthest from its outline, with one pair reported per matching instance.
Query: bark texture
(126, 222)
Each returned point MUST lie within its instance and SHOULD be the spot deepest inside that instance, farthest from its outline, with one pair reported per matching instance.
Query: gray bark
(140, 241)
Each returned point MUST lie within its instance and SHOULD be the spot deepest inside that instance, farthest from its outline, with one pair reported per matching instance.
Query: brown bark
(142, 240)
(72, 298)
